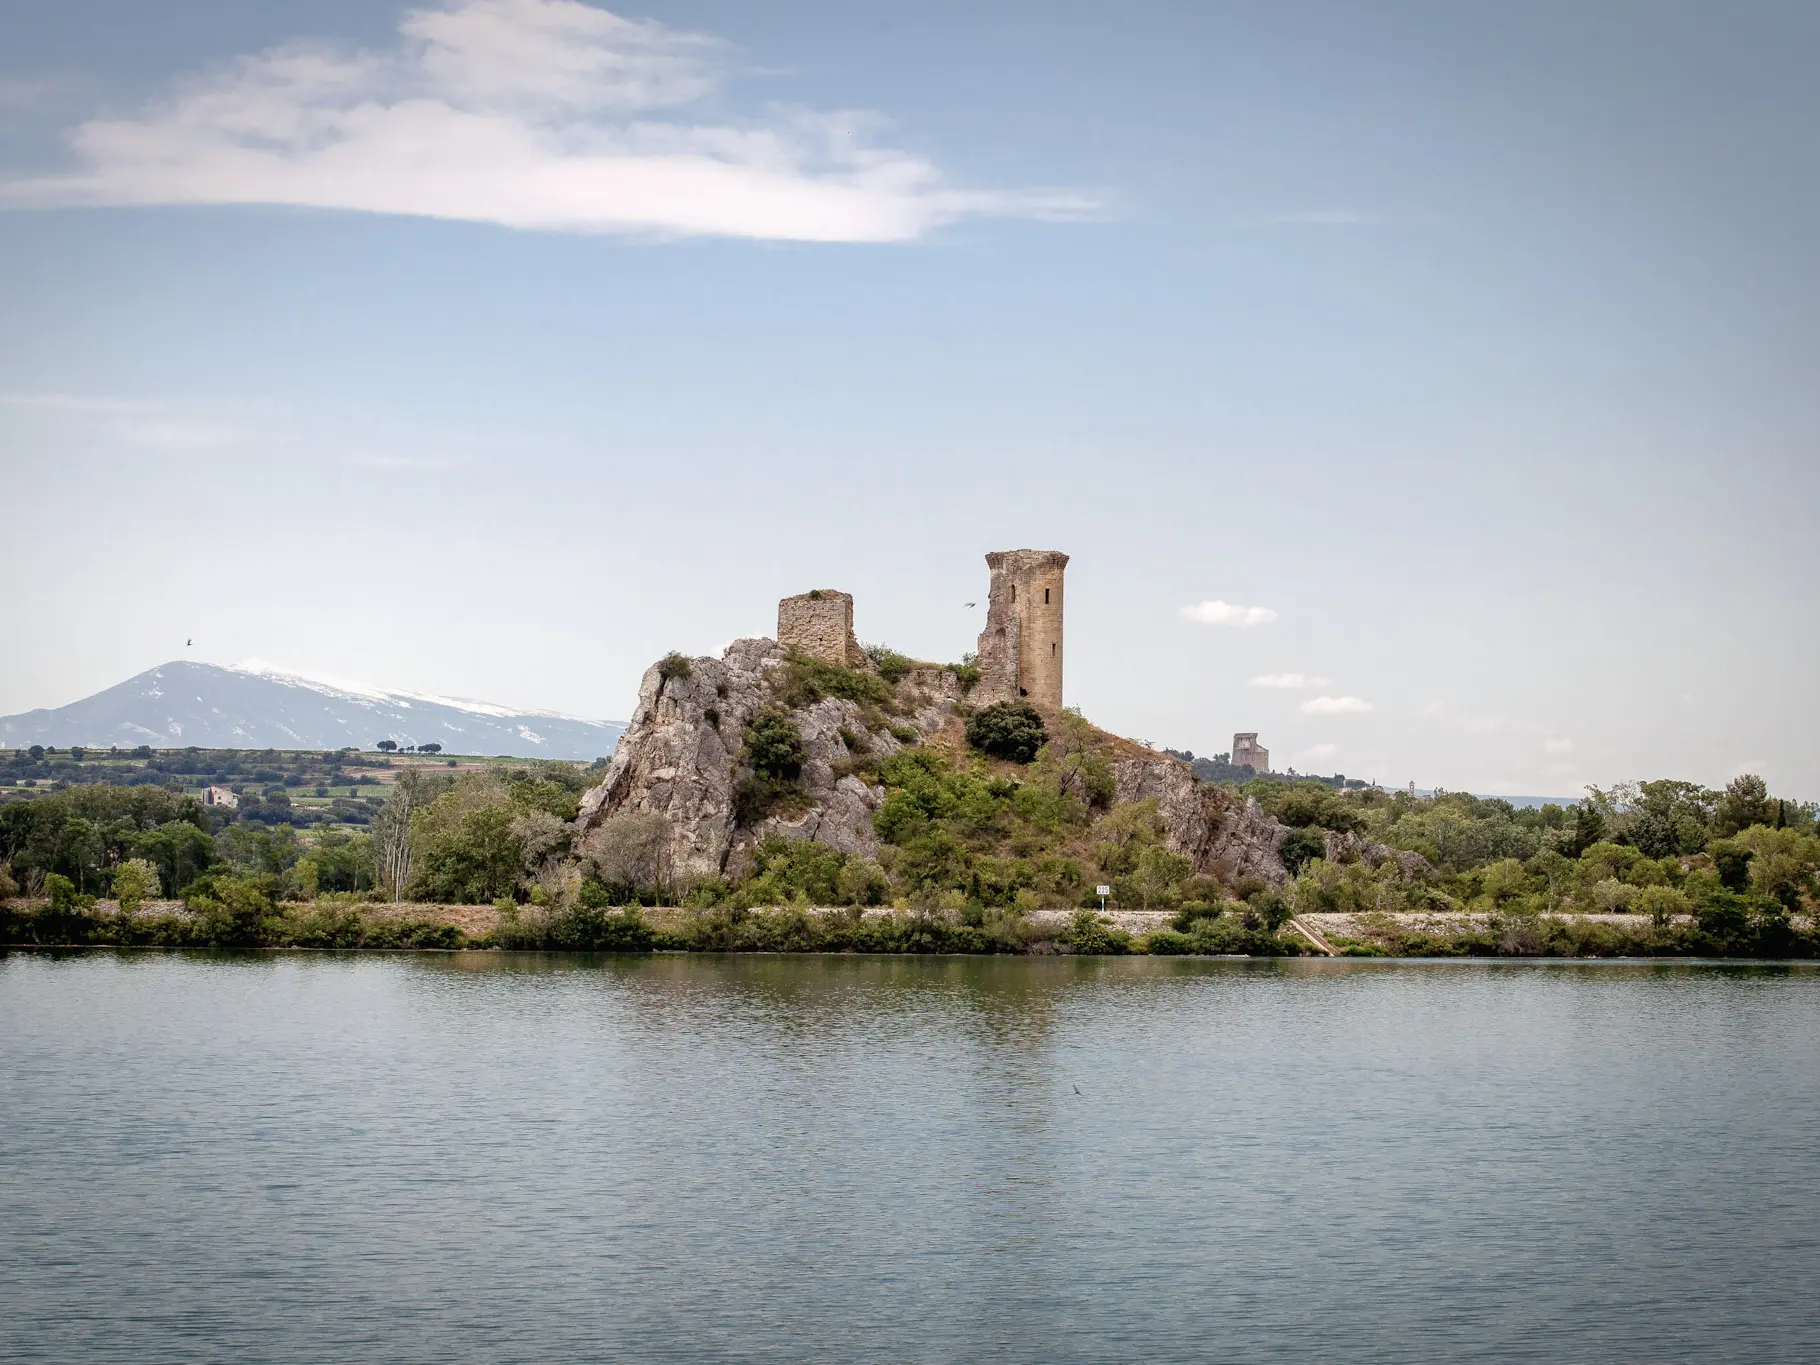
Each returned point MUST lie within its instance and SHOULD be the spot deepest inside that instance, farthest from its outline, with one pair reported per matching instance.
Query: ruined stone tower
(820, 624)
(1020, 651)
(1248, 753)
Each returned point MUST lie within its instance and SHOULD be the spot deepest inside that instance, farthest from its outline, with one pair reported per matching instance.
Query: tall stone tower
(1248, 753)
(1020, 651)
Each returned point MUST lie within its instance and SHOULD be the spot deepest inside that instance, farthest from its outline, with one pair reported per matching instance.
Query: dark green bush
(1732, 862)
(1169, 943)
(755, 797)
(1007, 729)
(674, 665)
(774, 748)
(1088, 933)
(1301, 847)
(577, 928)
(1192, 912)
(234, 912)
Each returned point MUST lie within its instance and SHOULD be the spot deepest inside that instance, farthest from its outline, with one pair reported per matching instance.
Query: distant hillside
(252, 706)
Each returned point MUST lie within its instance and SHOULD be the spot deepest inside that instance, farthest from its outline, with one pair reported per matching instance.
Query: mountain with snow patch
(255, 706)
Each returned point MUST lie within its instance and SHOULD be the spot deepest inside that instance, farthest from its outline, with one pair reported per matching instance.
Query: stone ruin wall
(820, 625)
(1246, 751)
(1020, 650)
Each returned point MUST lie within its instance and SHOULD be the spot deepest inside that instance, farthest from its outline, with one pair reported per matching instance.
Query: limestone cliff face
(678, 758)
(1226, 835)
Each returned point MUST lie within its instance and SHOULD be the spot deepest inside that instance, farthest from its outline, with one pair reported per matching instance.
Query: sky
(1429, 388)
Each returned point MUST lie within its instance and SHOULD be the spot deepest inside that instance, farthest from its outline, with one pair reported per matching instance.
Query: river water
(477, 1157)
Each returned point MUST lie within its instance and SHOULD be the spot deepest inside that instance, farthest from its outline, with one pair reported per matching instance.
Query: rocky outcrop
(1226, 835)
(679, 759)
(1348, 847)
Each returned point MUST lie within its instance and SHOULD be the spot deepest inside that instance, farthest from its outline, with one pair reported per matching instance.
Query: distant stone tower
(820, 624)
(1020, 651)
(1247, 752)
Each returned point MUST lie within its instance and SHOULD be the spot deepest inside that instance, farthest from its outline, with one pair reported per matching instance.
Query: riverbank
(345, 924)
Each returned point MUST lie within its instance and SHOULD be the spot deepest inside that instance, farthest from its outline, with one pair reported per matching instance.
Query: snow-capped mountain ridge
(255, 705)
(359, 691)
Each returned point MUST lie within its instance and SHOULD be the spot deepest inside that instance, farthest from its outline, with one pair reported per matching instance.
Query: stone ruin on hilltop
(679, 757)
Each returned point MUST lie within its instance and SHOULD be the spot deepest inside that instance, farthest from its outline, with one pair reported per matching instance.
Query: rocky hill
(884, 779)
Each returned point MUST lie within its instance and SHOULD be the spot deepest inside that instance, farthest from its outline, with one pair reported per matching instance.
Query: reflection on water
(305, 1157)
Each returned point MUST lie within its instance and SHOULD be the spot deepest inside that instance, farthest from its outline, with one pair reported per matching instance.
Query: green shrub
(892, 666)
(1732, 862)
(1168, 943)
(755, 797)
(805, 681)
(67, 918)
(65, 901)
(135, 882)
(1229, 935)
(967, 673)
(234, 912)
(1302, 846)
(1046, 808)
(1192, 912)
(1010, 730)
(1663, 904)
(674, 665)
(576, 928)
(1089, 933)
(774, 748)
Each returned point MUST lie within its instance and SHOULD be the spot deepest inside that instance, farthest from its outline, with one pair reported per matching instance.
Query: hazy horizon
(1427, 391)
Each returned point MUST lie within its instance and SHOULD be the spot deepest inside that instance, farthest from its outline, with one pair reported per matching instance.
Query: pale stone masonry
(1248, 753)
(819, 624)
(1020, 650)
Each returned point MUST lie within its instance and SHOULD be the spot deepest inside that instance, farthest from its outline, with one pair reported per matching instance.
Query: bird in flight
(189, 642)
(973, 604)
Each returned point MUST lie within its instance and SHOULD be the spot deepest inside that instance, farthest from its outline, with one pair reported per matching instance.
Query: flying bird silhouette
(973, 604)
(188, 643)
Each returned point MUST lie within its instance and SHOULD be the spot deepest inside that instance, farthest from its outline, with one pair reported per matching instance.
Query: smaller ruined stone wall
(820, 625)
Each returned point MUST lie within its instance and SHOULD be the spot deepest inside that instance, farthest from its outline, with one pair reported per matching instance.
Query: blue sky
(495, 347)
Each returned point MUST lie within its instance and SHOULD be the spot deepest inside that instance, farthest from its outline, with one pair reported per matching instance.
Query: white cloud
(1217, 613)
(1557, 746)
(539, 114)
(1335, 706)
(1290, 682)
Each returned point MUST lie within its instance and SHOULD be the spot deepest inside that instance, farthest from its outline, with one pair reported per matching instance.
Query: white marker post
(1102, 892)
